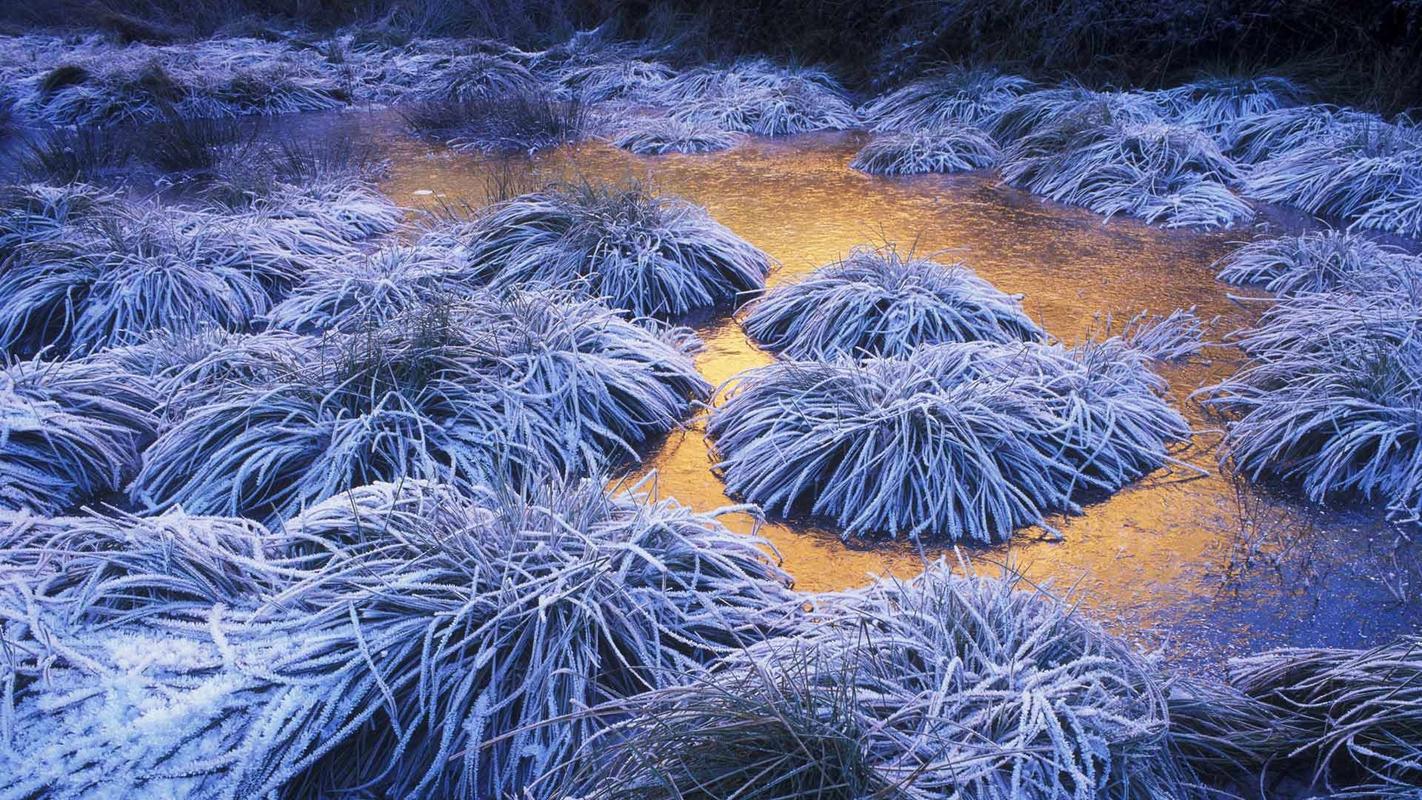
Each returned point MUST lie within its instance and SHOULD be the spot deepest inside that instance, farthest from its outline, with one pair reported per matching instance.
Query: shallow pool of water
(1188, 560)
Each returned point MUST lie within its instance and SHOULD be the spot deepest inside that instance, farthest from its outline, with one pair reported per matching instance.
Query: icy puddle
(1196, 564)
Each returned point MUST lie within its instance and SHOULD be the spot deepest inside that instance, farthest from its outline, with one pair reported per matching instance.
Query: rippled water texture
(1193, 563)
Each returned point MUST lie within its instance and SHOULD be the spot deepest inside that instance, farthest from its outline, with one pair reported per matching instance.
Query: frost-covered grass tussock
(36, 212)
(655, 255)
(326, 215)
(1070, 107)
(880, 302)
(947, 98)
(760, 97)
(68, 155)
(1157, 171)
(474, 76)
(943, 686)
(187, 370)
(87, 272)
(630, 79)
(1215, 103)
(963, 441)
(658, 135)
(1330, 397)
(1173, 337)
(1367, 174)
(516, 123)
(1255, 137)
(1354, 717)
(140, 270)
(403, 639)
(98, 84)
(1319, 261)
(437, 68)
(357, 292)
(69, 433)
(466, 393)
(953, 148)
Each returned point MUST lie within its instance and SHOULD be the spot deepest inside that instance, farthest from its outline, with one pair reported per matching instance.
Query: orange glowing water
(1185, 559)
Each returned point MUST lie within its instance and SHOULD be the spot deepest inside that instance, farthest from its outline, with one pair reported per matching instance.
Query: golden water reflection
(1178, 560)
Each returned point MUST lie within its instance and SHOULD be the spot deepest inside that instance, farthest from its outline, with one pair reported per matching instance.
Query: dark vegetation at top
(1366, 53)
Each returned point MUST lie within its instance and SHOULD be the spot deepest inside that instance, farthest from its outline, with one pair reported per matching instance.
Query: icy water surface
(1186, 560)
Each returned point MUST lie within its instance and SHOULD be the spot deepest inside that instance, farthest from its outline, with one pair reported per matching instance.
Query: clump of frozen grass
(113, 280)
(1069, 108)
(1224, 735)
(127, 89)
(75, 253)
(69, 433)
(606, 595)
(911, 152)
(238, 171)
(947, 98)
(197, 147)
(943, 686)
(345, 210)
(37, 212)
(1398, 211)
(526, 122)
(880, 302)
(1355, 715)
(1156, 171)
(754, 73)
(1173, 337)
(219, 77)
(390, 405)
(780, 730)
(210, 78)
(466, 393)
(63, 155)
(1368, 174)
(474, 76)
(652, 254)
(759, 97)
(966, 441)
(1330, 397)
(189, 369)
(350, 293)
(1253, 138)
(72, 565)
(660, 135)
(432, 644)
(617, 79)
(1317, 262)
(1215, 103)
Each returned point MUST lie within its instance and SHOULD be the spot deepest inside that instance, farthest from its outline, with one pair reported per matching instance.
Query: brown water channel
(1198, 565)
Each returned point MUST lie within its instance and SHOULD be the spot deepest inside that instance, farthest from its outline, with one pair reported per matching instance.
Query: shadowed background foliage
(1366, 53)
